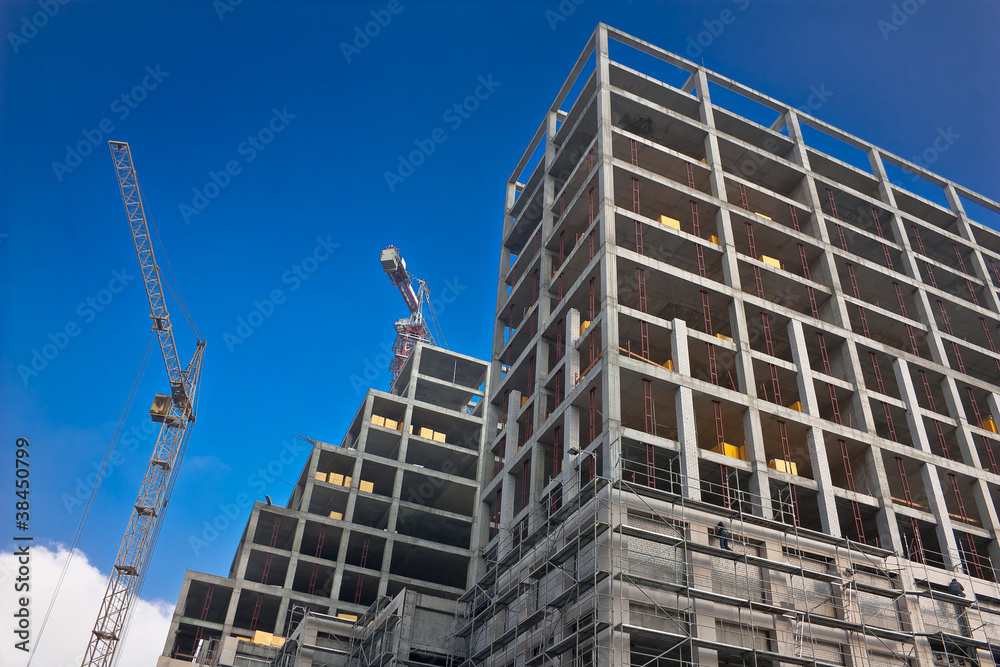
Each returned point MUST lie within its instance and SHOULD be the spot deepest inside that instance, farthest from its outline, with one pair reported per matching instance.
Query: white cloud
(68, 630)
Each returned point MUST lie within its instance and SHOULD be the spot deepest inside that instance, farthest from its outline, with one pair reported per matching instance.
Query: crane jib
(175, 417)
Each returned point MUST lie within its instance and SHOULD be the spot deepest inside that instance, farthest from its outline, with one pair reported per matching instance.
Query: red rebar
(823, 353)
(794, 217)
(647, 402)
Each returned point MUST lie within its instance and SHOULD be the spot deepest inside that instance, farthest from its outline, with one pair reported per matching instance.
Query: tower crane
(174, 412)
(414, 329)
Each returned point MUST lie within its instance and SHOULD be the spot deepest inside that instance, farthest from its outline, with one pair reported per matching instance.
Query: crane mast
(174, 413)
(410, 331)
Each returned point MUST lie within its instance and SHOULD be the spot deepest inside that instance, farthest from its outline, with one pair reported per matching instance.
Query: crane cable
(172, 287)
(439, 333)
(112, 444)
(171, 284)
(433, 326)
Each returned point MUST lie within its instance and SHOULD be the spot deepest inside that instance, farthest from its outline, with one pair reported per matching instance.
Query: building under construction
(741, 410)
(389, 508)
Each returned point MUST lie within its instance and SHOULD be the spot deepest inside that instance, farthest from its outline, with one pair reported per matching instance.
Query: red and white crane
(413, 329)
(174, 412)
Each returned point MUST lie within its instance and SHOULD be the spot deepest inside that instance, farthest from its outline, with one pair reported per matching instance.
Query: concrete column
(243, 555)
(713, 157)
(939, 508)
(383, 580)
(507, 486)
(338, 573)
(814, 226)
(397, 482)
(505, 255)
(611, 423)
(979, 268)
(988, 515)
(861, 400)
(513, 429)
(831, 277)
(366, 420)
(888, 526)
(546, 263)
(399, 641)
(956, 410)
(295, 549)
(804, 378)
(914, 420)
(993, 402)
(687, 429)
(572, 441)
(414, 363)
(983, 497)
(799, 154)
(760, 483)
(571, 328)
(572, 354)
(825, 498)
(925, 313)
(702, 613)
(234, 602)
(311, 475)
(897, 232)
(175, 622)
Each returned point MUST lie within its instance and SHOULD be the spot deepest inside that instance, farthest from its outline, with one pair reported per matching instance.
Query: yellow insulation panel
(670, 222)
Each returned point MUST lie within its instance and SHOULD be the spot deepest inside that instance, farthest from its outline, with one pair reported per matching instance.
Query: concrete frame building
(745, 387)
(741, 410)
(390, 508)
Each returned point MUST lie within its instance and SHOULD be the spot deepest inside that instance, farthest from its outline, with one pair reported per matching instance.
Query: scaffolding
(630, 571)
(754, 590)
(960, 618)
(544, 584)
(374, 640)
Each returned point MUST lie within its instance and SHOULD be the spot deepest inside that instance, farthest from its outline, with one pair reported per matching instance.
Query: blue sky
(200, 80)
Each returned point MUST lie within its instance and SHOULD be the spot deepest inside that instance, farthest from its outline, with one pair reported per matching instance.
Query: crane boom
(174, 413)
(395, 267)
(410, 331)
(136, 213)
